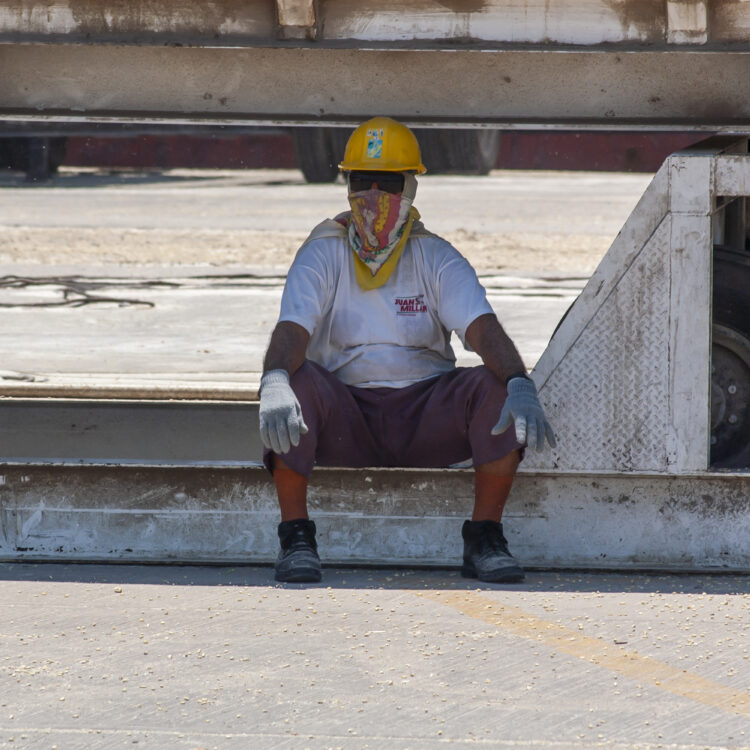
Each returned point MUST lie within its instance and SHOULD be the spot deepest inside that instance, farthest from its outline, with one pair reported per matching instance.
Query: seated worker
(360, 372)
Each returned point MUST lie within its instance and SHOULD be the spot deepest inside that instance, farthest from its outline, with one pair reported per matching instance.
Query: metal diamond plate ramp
(626, 377)
(607, 397)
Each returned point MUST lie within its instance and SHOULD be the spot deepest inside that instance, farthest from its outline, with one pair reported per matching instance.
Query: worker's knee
(308, 381)
(502, 467)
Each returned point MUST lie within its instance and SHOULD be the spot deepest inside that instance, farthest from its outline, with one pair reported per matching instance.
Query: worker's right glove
(280, 413)
(522, 408)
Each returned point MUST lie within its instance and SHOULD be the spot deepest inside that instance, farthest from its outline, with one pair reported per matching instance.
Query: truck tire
(458, 151)
(313, 149)
(338, 138)
(730, 361)
(40, 157)
(444, 151)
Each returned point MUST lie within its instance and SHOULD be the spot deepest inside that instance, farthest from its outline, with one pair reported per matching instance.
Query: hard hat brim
(349, 167)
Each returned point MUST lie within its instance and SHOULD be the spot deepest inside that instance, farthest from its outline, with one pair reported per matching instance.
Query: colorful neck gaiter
(379, 226)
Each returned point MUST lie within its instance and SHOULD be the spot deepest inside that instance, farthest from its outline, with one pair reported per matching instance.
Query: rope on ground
(77, 292)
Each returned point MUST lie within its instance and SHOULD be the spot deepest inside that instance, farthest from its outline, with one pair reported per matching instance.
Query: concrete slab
(117, 283)
(174, 432)
(228, 514)
(191, 333)
(223, 659)
(274, 200)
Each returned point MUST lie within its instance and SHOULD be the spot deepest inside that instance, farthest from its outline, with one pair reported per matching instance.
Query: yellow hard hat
(382, 145)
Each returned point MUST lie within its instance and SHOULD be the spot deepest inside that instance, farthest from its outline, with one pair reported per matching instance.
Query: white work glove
(523, 409)
(280, 413)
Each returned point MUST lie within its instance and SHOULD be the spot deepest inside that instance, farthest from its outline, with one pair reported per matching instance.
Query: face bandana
(379, 226)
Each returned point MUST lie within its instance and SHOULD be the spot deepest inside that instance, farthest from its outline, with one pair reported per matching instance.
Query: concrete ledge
(379, 516)
(152, 432)
(133, 391)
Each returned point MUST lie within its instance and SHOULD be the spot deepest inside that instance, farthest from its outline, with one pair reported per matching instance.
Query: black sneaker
(298, 560)
(486, 554)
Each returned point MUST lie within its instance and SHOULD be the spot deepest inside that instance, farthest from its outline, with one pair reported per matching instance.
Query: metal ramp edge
(626, 377)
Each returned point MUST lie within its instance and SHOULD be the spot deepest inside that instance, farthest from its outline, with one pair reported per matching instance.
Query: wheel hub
(730, 394)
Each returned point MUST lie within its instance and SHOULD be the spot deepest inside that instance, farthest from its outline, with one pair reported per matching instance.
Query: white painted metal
(584, 22)
(692, 199)
(732, 176)
(626, 378)
(296, 19)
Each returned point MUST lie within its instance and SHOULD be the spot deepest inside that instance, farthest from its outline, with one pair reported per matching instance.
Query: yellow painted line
(594, 650)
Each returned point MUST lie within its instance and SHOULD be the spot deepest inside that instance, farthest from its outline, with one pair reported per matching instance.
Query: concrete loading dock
(184, 657)
(629, 501)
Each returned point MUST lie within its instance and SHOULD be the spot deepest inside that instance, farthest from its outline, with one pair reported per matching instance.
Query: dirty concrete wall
(576, 22)
(401, 517)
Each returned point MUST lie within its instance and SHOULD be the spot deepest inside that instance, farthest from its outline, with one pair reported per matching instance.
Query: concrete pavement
(115, 656)
(279, 199)
(143, 301)
(171, 282)
(189, 330)
(210, 657)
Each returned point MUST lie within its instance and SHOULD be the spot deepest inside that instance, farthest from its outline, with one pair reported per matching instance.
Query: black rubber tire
(474, 151)
(5, 153)
(444, 151)
(338, 138)
(58, 149)
(434, 148)
(17, 155)
(314, 152)
(731, 355)
(459, 151)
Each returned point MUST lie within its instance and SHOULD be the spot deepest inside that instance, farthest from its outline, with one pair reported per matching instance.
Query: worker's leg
(291, 489)
(454, 417)
(298, 560)
(486, 553)
(337, 435)
(492, 483)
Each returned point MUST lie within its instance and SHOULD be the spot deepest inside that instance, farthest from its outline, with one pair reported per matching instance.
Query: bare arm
(488, 339)
(287, 348)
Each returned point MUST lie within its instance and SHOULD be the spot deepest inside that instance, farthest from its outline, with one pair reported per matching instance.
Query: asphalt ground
(222, 658)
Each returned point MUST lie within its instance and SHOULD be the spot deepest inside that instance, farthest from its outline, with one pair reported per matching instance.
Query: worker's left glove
(280, 413)
(522, 408)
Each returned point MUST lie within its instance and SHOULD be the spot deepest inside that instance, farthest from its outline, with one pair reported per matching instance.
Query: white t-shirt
(392, 336)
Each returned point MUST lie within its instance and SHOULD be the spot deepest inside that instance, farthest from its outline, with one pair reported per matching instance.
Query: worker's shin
(291, 489)
(492, 484)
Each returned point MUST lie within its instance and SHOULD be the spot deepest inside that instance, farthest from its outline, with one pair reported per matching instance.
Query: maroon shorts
(434, 423)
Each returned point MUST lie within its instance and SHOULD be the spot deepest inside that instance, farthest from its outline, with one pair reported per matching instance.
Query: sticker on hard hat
(375, 143)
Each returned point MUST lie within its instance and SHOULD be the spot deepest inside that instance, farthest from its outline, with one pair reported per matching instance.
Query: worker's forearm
(287, 348)
(498, 352)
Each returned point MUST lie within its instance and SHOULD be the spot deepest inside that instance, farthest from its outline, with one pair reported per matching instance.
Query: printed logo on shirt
(410, 305)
